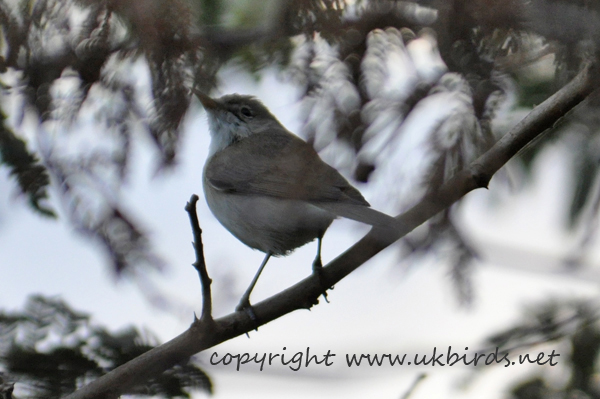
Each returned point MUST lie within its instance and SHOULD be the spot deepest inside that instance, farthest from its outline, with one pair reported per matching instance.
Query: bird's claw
(244, 306)
(318, 271)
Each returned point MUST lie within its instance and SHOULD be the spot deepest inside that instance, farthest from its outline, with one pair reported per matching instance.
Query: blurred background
(102, 145)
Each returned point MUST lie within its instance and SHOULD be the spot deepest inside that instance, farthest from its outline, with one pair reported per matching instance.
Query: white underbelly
(266, 223)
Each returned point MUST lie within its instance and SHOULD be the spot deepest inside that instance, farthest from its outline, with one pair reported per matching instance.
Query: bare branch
(307, 291)
(200, 263)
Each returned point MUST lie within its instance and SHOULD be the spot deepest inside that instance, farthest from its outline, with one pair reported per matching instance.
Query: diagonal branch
(306, 292)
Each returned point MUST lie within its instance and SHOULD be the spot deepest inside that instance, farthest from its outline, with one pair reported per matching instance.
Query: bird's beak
(208, 103)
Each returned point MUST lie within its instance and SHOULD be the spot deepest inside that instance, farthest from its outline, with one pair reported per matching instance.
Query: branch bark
(305, 293)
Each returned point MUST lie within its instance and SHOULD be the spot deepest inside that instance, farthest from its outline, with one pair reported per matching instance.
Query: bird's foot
(246, 307)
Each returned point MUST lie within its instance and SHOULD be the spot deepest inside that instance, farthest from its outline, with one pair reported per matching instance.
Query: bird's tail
(362, 214)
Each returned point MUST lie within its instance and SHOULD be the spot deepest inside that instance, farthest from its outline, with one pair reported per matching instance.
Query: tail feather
(361, 213)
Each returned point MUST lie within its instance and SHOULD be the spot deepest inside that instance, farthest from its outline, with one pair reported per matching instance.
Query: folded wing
(282, 166)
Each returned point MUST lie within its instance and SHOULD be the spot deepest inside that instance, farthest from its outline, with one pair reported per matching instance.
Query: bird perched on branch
(270, 188)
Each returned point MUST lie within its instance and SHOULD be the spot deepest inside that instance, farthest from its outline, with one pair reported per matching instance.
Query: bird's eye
(246, 112)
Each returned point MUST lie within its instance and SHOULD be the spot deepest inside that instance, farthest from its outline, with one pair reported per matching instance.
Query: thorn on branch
(200, 263)
(480, 178)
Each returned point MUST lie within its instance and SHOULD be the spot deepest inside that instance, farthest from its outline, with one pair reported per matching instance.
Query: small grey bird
(268, 187)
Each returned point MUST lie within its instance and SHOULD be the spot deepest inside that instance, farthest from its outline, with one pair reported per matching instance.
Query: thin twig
(414, 386)
(200, 264)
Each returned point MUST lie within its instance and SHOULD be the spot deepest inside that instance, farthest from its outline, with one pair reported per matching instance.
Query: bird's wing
(281, 166)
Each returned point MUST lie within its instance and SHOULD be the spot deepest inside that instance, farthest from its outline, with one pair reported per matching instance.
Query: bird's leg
(245, 301)
(317, 264)
(317, 267)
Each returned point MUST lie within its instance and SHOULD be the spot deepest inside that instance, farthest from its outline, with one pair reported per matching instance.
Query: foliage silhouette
(49, 349)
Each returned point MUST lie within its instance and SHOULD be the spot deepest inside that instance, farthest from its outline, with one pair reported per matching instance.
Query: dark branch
(304, 293)
(200, 263)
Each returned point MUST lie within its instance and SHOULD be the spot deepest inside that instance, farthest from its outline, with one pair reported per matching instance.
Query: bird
(269, 187)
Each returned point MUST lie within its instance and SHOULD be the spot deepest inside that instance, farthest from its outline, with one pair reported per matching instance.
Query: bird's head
(234, 117)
